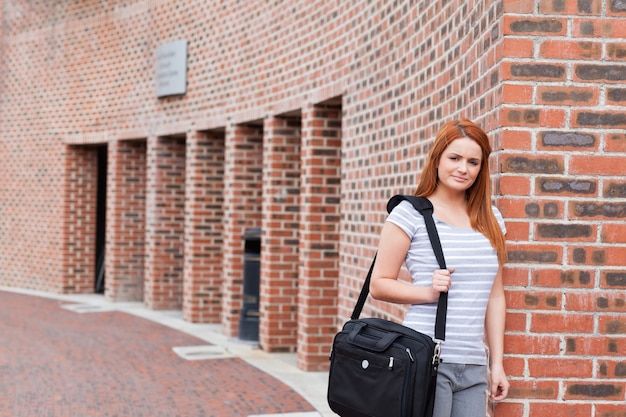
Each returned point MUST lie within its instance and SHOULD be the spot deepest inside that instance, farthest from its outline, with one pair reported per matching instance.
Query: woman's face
(459, 165)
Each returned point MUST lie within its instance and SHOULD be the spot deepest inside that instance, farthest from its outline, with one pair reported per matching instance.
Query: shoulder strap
(425, 207)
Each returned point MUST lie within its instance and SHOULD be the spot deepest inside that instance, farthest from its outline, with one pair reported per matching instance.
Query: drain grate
(86, 308)
(194, 353)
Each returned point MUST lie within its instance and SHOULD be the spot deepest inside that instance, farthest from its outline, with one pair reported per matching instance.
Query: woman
(456, 181)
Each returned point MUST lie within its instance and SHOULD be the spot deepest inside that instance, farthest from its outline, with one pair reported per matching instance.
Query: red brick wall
(126, 220)
(204, 201)
(547, 79)
(280, 226)
(242, 211)
(32, 210)
(562, 187)
(320, 222)
(78, 244)
(165, 204)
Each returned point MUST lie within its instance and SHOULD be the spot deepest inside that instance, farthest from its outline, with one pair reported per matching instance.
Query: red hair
(479, 194)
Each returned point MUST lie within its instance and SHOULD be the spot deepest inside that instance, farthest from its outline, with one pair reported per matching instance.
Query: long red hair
(479, 194)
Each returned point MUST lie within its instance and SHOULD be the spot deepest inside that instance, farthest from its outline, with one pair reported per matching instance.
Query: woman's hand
(499, 388)
(442, 280)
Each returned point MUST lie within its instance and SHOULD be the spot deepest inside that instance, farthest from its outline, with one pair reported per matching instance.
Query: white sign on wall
(171, 68)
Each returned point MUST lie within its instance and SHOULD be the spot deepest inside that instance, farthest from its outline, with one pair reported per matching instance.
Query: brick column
(561, 181)
(242, 210)
(319, 235)
(203, 227)
(125, 228)
(279, 242)
(165, 223)
(79, 258)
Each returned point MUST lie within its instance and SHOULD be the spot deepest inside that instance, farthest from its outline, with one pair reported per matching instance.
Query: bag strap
(425, 207)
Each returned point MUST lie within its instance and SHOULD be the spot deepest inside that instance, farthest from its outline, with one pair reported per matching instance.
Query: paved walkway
(81, 356)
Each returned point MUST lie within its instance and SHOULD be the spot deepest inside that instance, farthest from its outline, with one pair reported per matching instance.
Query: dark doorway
(101, 205)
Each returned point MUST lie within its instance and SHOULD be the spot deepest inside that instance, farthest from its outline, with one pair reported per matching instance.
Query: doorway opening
(99, 283)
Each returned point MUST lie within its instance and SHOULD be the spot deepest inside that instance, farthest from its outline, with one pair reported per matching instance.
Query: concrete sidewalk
(255, 383)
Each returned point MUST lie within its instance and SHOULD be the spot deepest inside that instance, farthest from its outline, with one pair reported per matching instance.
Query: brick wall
(203, 233)
(320, 223)
(280, 225)
(323, 110)
(30, 180)
(560, 179)
(126, 223)
(165, 204)
(78, 255)
(242, 211)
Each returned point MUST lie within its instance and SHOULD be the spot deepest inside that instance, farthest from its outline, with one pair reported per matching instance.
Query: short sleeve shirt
(476, 265)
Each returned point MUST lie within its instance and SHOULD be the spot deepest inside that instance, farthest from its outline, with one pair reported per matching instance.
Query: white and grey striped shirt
(476, 264)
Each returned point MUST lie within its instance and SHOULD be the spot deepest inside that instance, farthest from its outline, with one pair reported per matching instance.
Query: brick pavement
(56, 363)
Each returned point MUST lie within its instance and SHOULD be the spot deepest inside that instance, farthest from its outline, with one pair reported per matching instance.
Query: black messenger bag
(379, 368)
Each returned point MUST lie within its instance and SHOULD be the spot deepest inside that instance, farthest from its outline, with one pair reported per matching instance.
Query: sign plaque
(171, 68)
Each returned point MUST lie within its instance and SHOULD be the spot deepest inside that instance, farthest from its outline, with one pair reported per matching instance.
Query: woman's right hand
(442, 280)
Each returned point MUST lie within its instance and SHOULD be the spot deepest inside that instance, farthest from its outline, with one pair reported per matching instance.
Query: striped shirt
(476, 264)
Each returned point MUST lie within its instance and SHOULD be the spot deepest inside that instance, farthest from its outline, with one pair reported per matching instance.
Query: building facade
(302, 118)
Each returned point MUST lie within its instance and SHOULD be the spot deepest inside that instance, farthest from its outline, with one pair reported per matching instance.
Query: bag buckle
(437, 352)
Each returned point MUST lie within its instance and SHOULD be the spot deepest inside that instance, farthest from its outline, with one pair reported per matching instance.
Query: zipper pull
(408, 351)
(390, 363)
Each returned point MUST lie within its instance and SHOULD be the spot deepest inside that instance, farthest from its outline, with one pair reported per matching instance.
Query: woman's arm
(392, 249)
(494, 328)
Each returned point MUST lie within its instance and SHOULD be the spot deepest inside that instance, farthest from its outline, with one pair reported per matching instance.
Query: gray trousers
(461, 391)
